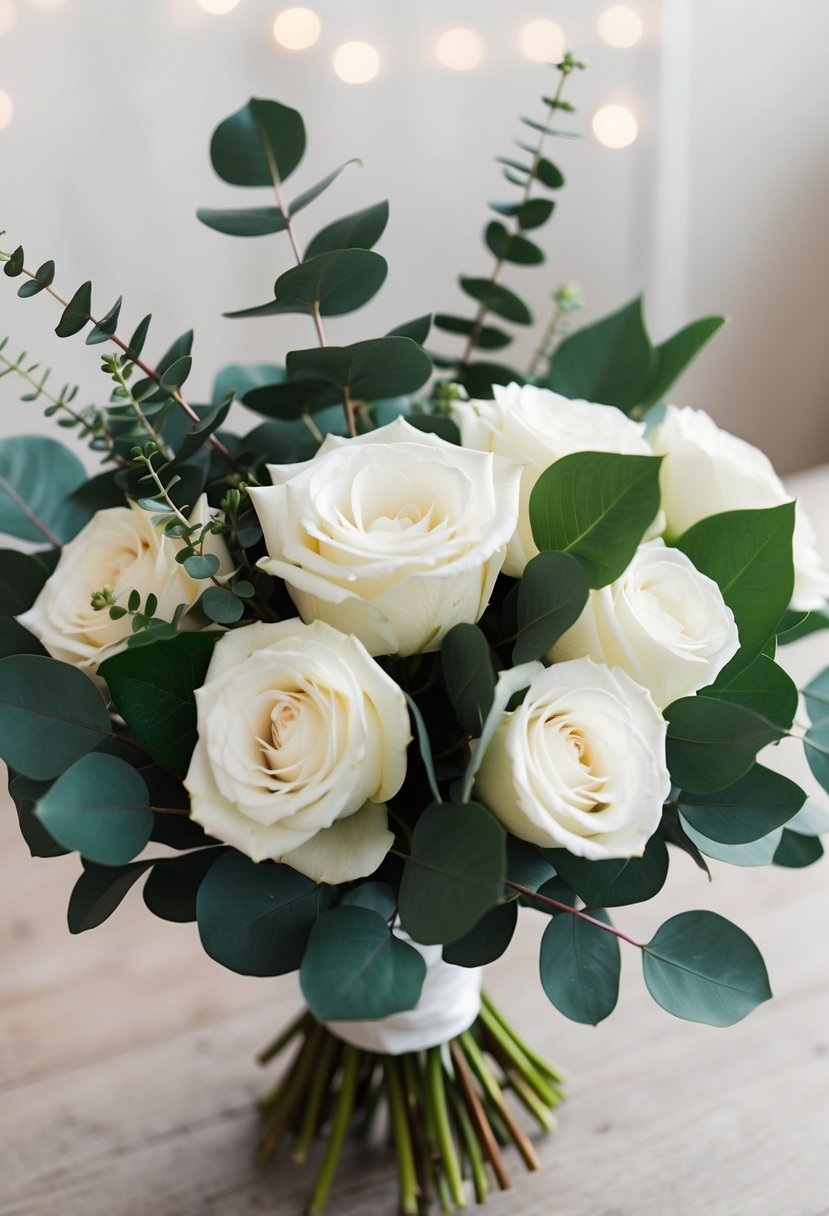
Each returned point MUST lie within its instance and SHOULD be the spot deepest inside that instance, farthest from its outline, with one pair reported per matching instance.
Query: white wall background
(720, 205)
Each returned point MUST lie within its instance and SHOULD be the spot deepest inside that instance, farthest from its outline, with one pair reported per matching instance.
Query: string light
(620, 26)
(8, 16)
(615, 126)
(460, 50)
(542, 41)
(297, 28)
(6, 109)
(356, 62)
(218, 7)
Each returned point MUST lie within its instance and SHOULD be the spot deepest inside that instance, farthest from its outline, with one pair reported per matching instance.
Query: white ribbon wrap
(448, 1005)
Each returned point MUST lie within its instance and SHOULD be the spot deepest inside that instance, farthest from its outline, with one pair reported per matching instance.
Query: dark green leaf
(289, 402)
(617, 882)
(701, 967)
(99, 891)
(509, 247)
(201, 566)
(179, 349)
(795, 852)
(711, 744)
(815, 694)
(259, 145)
(333, 283)
(455, 872)
(153, 692)
(14, 265)
(549, 174)
(597, 506)
(100, 807)
(498, 299)
(580, 965)
(417, 330)
(749, 555)
(672, 357)
(44, 277)
(816, 745)
(256, 918)
(77, 313)
(795, 625)
(551, 595)
(487, 337)
(478, 378)
(375, 895)
(308, 196)
(51, 714)
(243, 221)
(25, 793)
(14, 639)
(759, 802)
(172, 888)
(487, 940)
(355, 968)
(240, 378)
(381, 367)
(136, 342)
(609, 361)
(436, 424)
(106, 327)
(531, 214)
(468, 675)
(424, 745)
(527, 865)
(211, 419)
(21, 579)
(360, 230)
(176, 374)
(221, 605)
(38, 476)
(762, 687)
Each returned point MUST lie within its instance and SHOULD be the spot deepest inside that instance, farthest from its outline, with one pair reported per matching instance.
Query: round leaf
(580, 966)
(38, 477)
(711, 744)
(551, 595)
(755, 805)
(487, 940)
(259, 145)
(100, 807)
(617, 882)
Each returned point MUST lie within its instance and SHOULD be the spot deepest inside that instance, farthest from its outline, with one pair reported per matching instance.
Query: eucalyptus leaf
(243, 221)
(712, 744)
(762, 687)
(816, 696)
(551, 595)
(38, 477)
(703, 968)
(241, 378)
(51, 714)
(99, 891)
(77, 313)
(485, 941)
(498, 299)
(755, 805)
(511, 247)
(99, 807)
(172, 888)
(580, 966)
(617, 882)
(259, 145)
(380, 367)
(468, 675)
(417, 330)
(360, 230)
(795, 851)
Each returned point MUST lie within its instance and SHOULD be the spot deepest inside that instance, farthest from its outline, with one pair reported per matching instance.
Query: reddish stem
(560, 907)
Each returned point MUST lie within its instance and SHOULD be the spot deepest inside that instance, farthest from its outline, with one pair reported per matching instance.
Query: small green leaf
(288, 402)
(609, 361)
(256, 918)
(100, 807)
(487, 940)
(468, 675)
(671, 358)
(243, 221)
(753, 806)
(136, 342)
(795, 852)
(14, 265)
(44, 276)
(549, 174)
(597, 506)
(99, 891)
(333, 283)
(816, 696)
(701, 967)
(487, 337)
(176, 374)
(375, 895)
(221, 605)
(51, 714)
(106, 327)
(455, 872)
(360, 230)
(417, 330)
(580, 965)
(380, 367)
(479, 377)
(172, 889)
(77, 313)
(816, 746)
(551, 595)
(796, 625)
(498, 299)
(711, 744)
(509, 247)
(762, 687)
(259, 145)
(355, 968)
(308, 196)
(201, 566)
(617, 882)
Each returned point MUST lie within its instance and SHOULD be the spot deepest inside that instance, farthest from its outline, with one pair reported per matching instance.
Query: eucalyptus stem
(409, 1189)
(116, 369)
(339, 1128)
(561, 907)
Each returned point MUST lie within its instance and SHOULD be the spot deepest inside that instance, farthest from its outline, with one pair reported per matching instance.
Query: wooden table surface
(127, 1078)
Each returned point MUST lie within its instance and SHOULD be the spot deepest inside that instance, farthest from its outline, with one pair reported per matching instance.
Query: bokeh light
(620, 26)
(218, 7)
(543, 41)
(615, 126)
(460, 49)
(8, 16)
(297, 28)
(6, 109)
(356, 62)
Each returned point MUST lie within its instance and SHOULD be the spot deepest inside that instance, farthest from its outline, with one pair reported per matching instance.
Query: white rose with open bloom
(301, 737)
(119, 548)
(394, 536)
(662, 622)
(580, 764)
(706, 471)
(536, 427)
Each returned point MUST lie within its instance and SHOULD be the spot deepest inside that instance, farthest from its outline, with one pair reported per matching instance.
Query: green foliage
(99, 891)
(77, 314)
(103, 330)
(417, 330)
(816, 743)
(468, 674)
(485, 941)
(43, 278)
(354, 967)
(153, 691)
(263, 221)
(380, 367)
(378, 896)
(617, 882)
(172, 888)
(671, 358)
(494, 297)
(796, 625)
(580, 966)
(360, 230)
(239, 379)
(259, 145)
(551, 595)
(596, 506)
(712, 744)
(795, 851)
(701, 967)
(38, 477)
(749, 556)
(816, 696)
(256, 919)
(753, 806)
(328, 285)
(99, 807)
(51, 714)
(454, 874)
(762, 687)
(221, 605)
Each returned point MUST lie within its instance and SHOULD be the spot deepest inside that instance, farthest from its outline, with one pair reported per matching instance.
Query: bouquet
(437, 641)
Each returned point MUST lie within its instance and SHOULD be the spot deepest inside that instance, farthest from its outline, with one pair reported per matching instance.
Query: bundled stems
(446, 1109)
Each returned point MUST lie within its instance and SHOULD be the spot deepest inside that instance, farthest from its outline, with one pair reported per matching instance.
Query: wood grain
(127, 1078)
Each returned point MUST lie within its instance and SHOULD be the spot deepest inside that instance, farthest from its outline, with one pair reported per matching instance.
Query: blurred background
(703, 177)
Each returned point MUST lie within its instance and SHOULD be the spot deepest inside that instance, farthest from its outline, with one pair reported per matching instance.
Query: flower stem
(478, 1115)
(538, 1061)
(472, 1146)
(343, 1109)
(320, 1082)
(409, 1189)
(436, 1093)
(560, 907)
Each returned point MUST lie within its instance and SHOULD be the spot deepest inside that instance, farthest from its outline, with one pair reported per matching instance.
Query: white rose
(536, 427)
(580, 764)
(706, 471)
(121, 549)
(395, 536)
(662, 622)
(300, 736)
